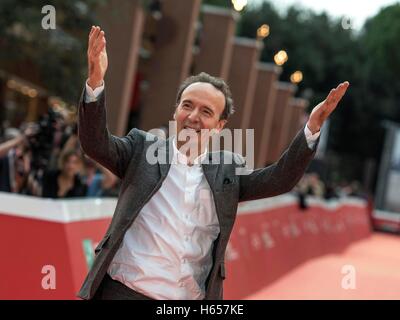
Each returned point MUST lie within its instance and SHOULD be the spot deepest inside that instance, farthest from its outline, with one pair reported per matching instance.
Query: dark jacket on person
(50, 186)
(5, 185)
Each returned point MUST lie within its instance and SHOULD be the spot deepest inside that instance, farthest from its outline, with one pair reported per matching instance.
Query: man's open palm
(97, 57)
(322, 111)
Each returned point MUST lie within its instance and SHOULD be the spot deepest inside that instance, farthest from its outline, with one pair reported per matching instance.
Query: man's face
(200, 107)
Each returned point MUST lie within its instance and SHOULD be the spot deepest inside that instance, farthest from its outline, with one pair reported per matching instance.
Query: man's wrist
(311, 137)
(91, 94)
(94, 84)
(313, 128)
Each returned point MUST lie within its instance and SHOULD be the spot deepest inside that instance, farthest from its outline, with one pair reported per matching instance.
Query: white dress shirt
(167, 251)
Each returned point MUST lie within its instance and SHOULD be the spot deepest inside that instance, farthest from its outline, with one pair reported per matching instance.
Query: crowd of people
(45, 159)
(312, 185)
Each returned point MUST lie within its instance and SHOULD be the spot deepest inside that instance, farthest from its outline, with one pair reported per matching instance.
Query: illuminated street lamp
(238, 5)
(263, 31)
(32, 93)
(281, 57)
(11, 84)
(296, 77)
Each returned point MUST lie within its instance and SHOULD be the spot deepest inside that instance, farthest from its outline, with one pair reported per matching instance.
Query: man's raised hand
(322, 111)
(97, 57)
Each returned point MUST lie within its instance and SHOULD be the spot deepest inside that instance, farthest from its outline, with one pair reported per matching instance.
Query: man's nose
(194, 115)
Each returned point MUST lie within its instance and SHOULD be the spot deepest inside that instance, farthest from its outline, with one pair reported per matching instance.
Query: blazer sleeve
(281, 176)
(110, 151)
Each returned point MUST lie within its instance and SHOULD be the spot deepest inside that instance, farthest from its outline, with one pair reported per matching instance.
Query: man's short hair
(218, 83)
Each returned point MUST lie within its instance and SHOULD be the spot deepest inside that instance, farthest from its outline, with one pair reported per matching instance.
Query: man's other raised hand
(97, 57)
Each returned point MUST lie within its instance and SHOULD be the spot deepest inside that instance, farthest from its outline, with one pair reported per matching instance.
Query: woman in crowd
(66, 181)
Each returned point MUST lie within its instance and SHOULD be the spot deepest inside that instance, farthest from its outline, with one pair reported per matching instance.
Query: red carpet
(376, 262)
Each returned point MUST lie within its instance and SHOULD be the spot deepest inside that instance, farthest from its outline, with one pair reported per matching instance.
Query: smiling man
(172, 223)
(203, 105)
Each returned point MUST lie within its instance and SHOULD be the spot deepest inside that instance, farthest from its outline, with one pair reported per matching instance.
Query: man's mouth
(190, 128)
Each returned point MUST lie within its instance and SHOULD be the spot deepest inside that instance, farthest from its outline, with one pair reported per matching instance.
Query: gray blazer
(126, 158)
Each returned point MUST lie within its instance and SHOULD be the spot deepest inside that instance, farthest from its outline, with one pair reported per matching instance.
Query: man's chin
(191, 135)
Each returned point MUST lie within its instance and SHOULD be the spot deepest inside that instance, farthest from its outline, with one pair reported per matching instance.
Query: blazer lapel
(210, 171)
(165, 155)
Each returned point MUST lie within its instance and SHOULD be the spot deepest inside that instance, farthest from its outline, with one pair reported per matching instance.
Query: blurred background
(280, 58)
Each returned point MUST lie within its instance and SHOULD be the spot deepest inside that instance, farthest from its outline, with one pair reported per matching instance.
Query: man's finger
(91, 31)
(100, 48)
(343, 86)
(342, 90)
(336, 96)
(95, 33)
(98, 33)
(333, 102)
(98, 42)
(99, 37)
(330, 96)
(92, 37)
(345, 83)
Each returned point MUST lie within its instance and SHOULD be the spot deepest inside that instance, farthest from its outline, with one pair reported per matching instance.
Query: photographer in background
(53, 138)
(15, 159)
(66, 181)
(27, 153)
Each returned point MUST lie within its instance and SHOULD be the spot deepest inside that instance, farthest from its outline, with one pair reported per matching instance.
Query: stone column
(218, 30)
(122, 22)
(287, 129)
(242, 80)
(285, 90)
(299, 107)
(263, 108)
(170, 62)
